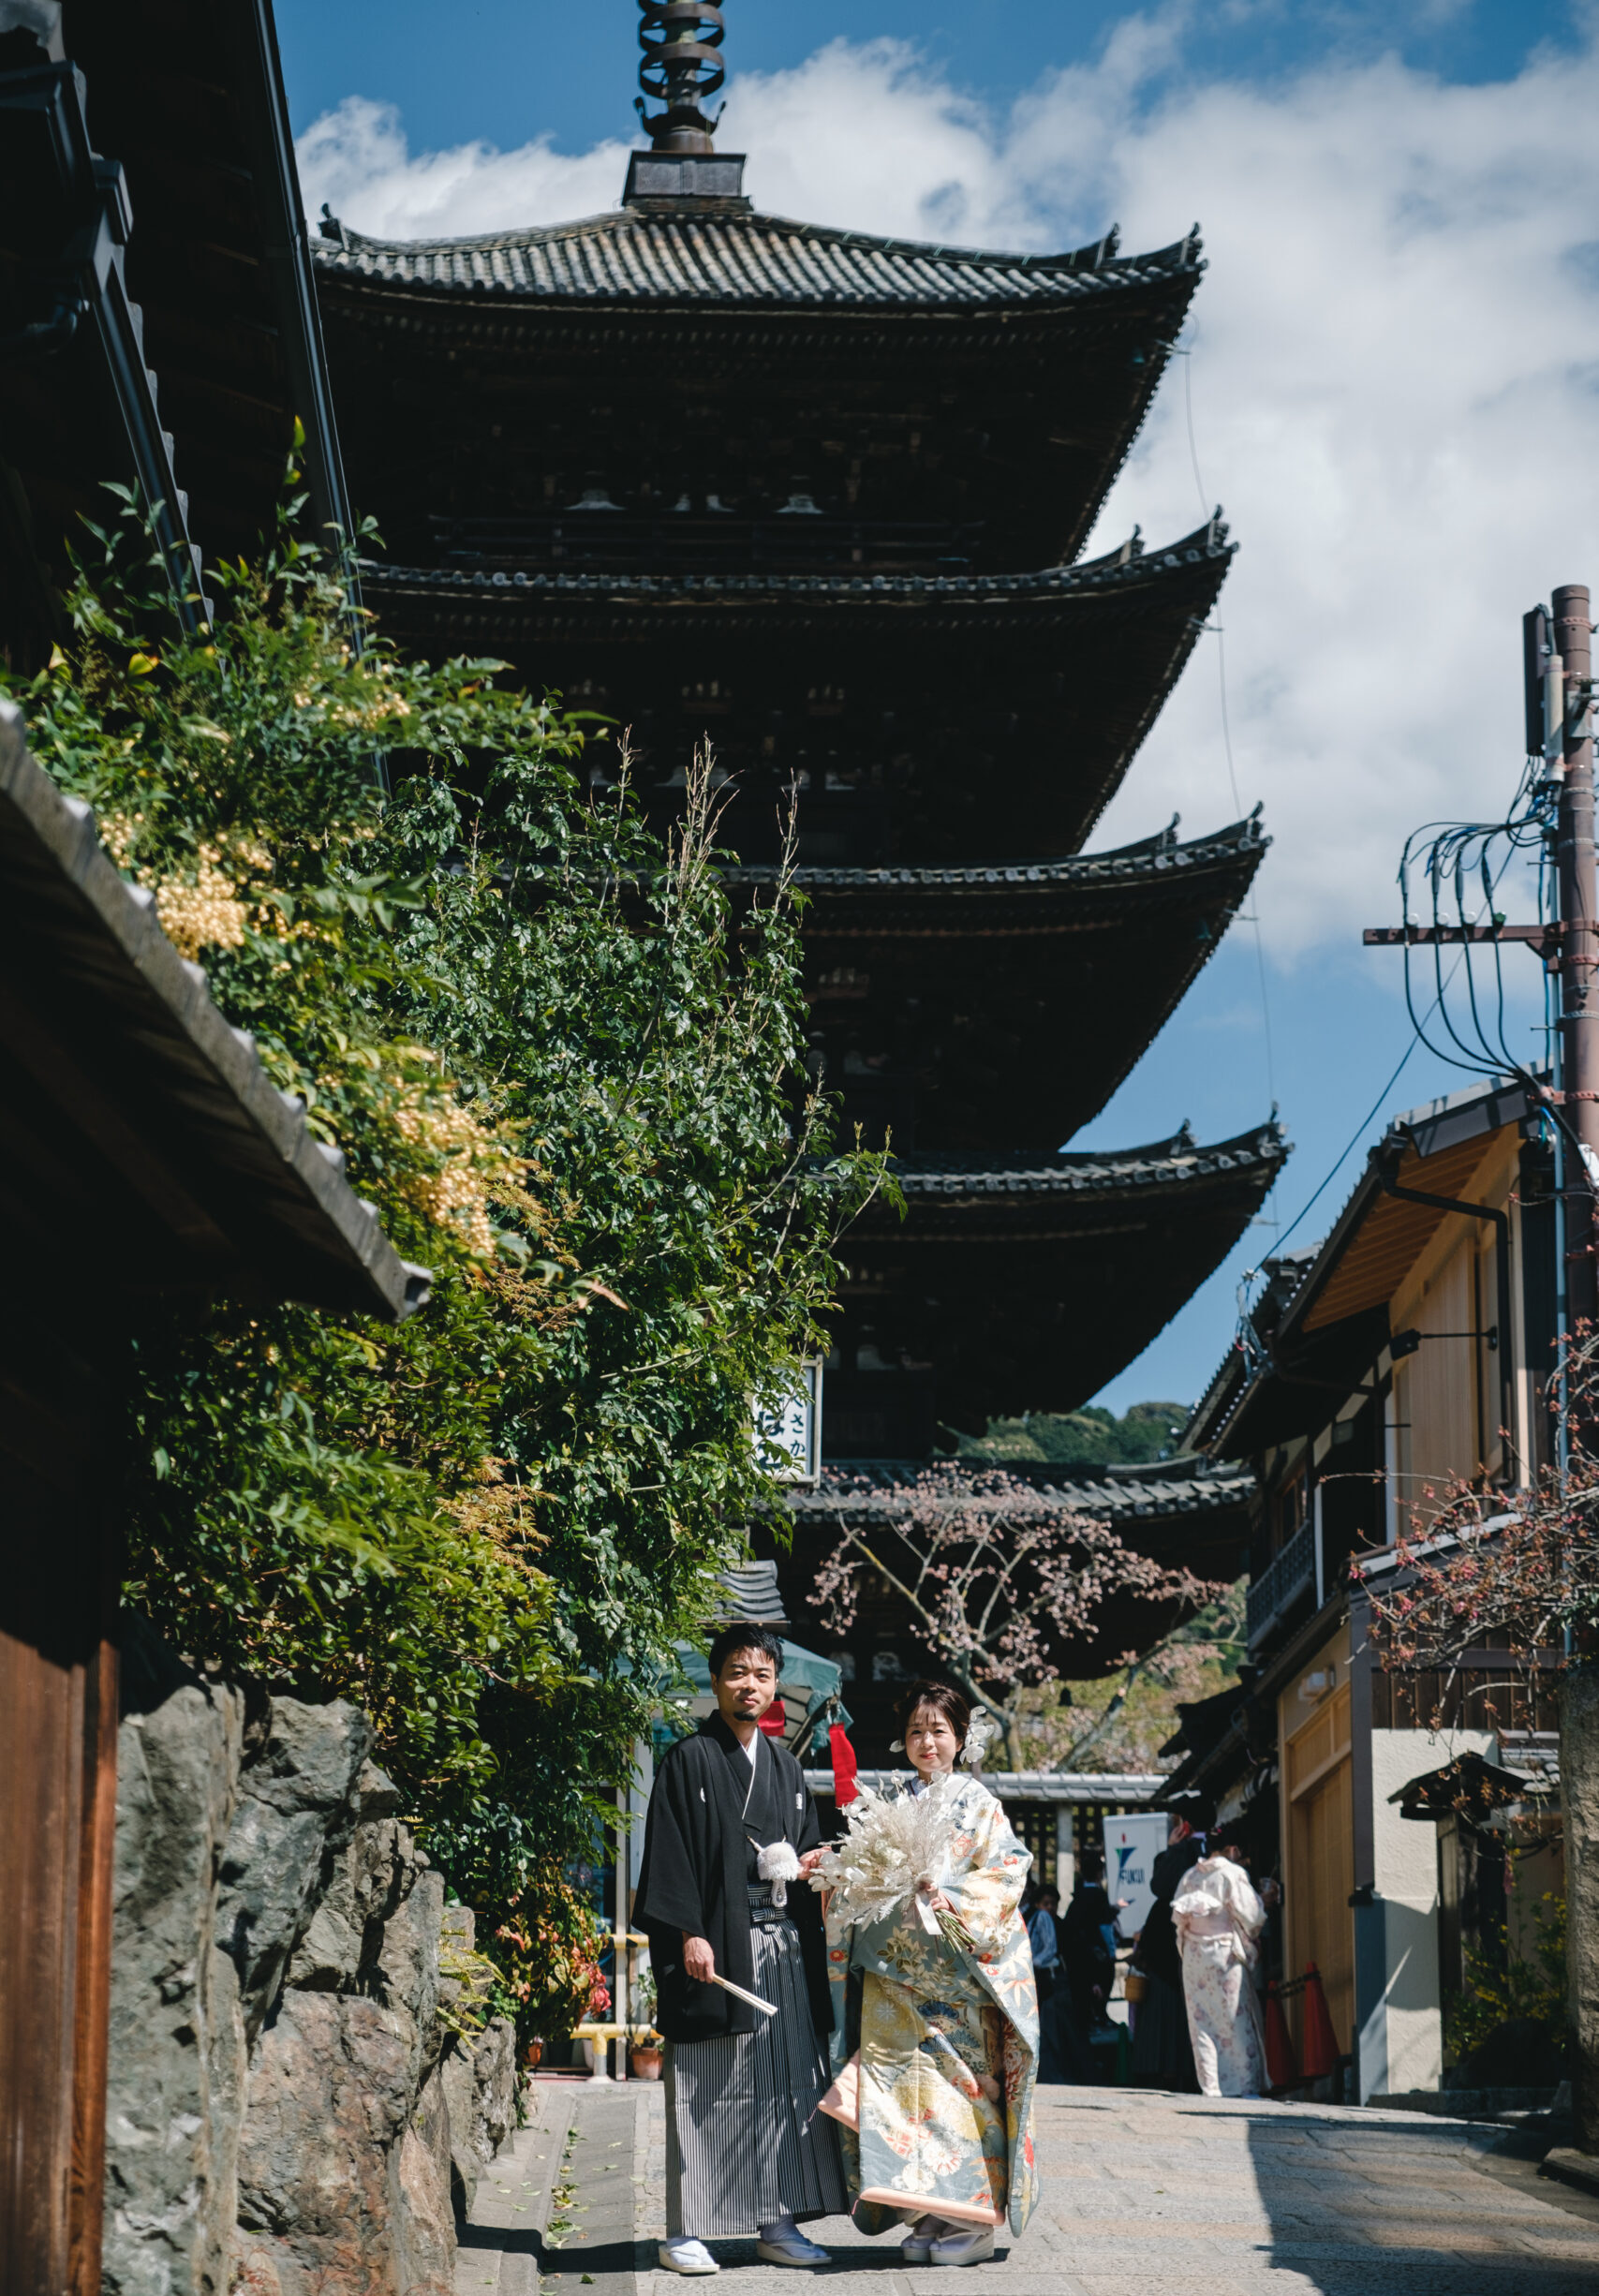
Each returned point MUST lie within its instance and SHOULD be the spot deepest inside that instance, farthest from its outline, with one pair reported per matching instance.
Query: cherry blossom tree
(998, 1580)
(1519, 1571)
(1514, 1569)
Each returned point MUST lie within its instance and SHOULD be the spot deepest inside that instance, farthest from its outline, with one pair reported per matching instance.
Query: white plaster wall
(1407, 1881)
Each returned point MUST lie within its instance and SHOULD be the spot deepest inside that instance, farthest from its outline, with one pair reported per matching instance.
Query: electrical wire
(1188, 401)
(1451, 851)
(1217, 631)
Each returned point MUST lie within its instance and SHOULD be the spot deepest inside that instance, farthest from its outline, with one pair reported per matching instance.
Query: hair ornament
(981, 1733)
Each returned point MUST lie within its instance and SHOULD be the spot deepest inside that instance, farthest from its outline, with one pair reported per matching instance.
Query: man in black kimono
(1162, 2051)
(730, 1832)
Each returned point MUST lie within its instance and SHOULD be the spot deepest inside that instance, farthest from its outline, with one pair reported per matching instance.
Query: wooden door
(58, 1723)
(1320, 1870)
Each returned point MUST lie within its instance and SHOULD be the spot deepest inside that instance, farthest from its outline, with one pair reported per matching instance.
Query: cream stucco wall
(1406, 1861)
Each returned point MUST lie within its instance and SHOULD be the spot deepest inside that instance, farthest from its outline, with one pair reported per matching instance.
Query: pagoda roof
(943, 983)
(1030, 1279)
(722, 254)
(1183, 1513)
(1042, 895)
(499, 600)
(1147, 1493)
(937, 1178)
(1088, 653)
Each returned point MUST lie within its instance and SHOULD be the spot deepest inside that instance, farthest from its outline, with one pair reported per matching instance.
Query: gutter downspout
(1506, 1329)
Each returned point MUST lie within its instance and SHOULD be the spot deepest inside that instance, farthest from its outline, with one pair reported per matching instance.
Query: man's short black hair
(732, 1638)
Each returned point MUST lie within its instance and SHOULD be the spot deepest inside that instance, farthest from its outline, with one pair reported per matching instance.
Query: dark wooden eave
(1182, 1512)
(143, 1150)
(934, 994)
(1030, 1280)
(522, 603)
(151, 240)
(1029, 377)
(1141, 1500)
(1061, 675)
(188, 96)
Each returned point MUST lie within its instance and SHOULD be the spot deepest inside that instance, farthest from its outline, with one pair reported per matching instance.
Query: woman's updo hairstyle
(944, 1699)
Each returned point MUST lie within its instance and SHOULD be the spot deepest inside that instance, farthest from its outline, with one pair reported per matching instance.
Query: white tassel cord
(778, 1864)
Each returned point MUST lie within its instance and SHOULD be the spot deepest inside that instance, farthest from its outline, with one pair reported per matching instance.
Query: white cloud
(358, 160)
(1394, 379)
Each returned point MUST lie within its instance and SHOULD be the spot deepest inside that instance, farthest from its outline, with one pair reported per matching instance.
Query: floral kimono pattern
(1218, 1918)
(948, 2041)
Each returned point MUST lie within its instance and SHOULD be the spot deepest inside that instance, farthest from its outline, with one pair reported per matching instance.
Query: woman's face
(930, 1742)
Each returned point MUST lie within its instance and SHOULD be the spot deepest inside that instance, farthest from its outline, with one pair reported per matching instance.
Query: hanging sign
(1131, 1845)
(788, 1427)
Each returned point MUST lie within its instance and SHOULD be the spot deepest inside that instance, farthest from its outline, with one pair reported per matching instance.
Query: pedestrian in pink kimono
(1218, 1918)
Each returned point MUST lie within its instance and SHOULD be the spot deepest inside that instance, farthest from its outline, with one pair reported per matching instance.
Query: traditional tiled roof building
(817, 497)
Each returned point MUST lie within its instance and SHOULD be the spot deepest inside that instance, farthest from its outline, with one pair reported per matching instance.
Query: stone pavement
(1143, 2195)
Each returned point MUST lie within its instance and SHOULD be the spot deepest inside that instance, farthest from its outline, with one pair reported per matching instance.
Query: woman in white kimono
(935, 2101)
(1218, 1918)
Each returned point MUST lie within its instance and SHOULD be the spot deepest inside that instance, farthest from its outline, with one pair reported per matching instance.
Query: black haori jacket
(699, 1844)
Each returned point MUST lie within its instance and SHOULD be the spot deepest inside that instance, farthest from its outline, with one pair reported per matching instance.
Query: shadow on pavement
(495, 2236)
(1357, 2206)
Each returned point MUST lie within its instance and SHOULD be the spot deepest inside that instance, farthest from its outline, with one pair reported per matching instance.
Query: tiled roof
(1151, 858)
(1116, 1788)
(249, 1187)
(1165, 1162)
(726, 255)
(750, 1594)
(1113, 1494)
(1122, 569)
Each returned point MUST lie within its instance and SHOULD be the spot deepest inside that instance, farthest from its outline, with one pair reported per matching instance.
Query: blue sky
(1393, 373)
(508, 70)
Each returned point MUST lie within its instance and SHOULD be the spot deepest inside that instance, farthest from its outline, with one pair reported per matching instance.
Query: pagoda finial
(681, 69)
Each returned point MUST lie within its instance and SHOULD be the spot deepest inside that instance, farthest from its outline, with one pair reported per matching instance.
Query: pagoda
(817, 497)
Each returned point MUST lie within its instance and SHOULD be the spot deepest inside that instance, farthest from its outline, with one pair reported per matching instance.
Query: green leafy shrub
(566, 1076)
(548, 1948)
(1510, 1985)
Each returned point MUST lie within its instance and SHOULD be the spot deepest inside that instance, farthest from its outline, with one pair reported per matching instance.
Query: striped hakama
(744, 2142)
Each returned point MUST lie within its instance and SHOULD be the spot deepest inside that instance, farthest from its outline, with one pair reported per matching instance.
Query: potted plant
(645, 2055)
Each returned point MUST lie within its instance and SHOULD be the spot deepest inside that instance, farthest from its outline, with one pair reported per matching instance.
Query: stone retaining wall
(289, 2112)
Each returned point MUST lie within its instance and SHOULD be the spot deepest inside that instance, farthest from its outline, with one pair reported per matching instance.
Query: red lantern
(843, 1767)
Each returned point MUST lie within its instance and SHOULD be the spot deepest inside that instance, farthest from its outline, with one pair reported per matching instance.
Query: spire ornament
(681, 69)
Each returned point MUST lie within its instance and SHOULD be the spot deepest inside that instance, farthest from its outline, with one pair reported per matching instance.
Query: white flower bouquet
(893, 1854)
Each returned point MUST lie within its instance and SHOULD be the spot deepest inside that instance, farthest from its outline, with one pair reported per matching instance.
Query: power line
(1217, 631)
(1451, 843)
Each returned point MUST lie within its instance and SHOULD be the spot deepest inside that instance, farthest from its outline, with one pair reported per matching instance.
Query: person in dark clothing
(1087, 1945)
(730, 1827)
(1062, 2056)
(1163, 2052)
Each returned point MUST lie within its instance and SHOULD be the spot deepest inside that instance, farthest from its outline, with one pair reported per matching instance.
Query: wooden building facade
(1382, 1368)
(161, 332)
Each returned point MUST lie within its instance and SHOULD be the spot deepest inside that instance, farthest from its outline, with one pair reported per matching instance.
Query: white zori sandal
(971, 2243)
(917, 2246)
(785, 2244)
(688, 2256)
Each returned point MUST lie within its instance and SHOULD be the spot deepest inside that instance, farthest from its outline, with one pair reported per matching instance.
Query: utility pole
(1570, 676)
(1559, 688)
